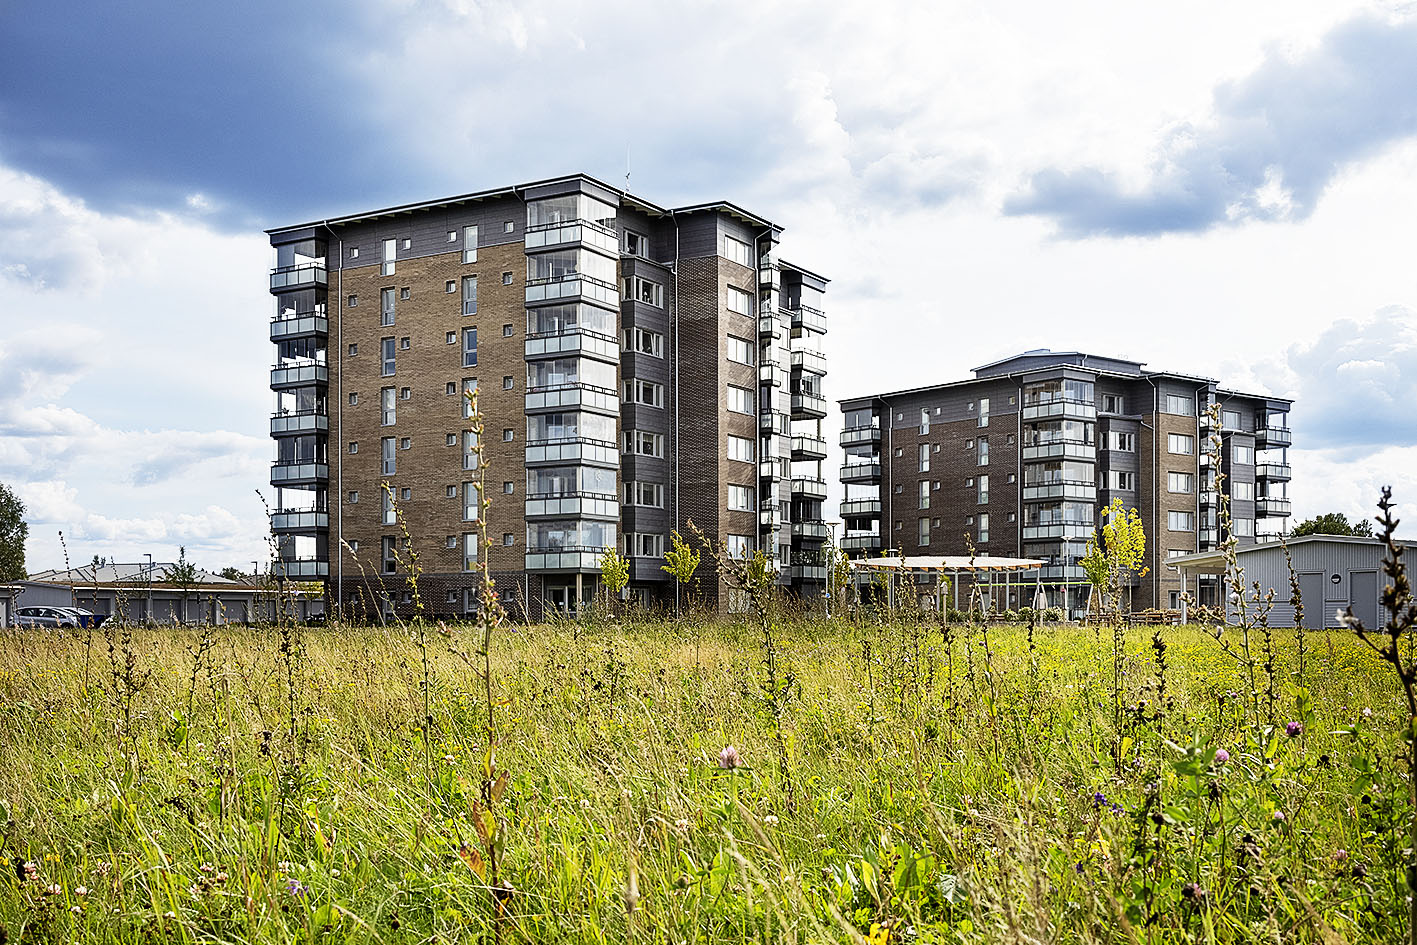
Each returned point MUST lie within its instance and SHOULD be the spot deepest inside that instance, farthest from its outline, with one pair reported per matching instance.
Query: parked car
(86, 618)
(44, 617)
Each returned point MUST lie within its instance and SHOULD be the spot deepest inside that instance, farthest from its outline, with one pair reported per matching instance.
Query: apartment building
(637, 368)
(1022, 458)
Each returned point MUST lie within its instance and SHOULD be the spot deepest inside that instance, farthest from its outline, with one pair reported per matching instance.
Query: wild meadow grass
(902, 782)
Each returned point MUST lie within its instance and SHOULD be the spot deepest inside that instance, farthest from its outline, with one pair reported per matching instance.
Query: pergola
(951, 565)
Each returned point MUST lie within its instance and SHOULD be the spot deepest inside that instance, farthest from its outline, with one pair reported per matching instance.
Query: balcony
(770, 372)
(289, 424)
(767, 517)
(809, 318)
(573, 505)
(770, 469)
(1268, 438)
(769, 422)
(860, 508)
(573, 231)
(1062, 572)
(572, 395)
(1061, 490)
(576, 341)
(810, 487)
(811, 531)
(806, 573)
(1061, 449)
(572, 450)
(300, 569)
(1057, 530)
(299, 375)
(1272, 508)
(295, 474)
(564, 558)
(808, 447)
(300, 521)
(860, 472)
(299, 326)
(1274, 472)
(572, 286)
(299, 277)
(811, 362)
(808, 407)
(861, 543)
(769, 327)
(860, 436)
(1061, 409)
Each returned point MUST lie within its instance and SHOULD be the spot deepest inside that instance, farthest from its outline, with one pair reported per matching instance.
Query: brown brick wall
(1151, 484)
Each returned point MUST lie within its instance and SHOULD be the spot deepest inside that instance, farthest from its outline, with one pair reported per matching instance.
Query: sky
(1212, 188)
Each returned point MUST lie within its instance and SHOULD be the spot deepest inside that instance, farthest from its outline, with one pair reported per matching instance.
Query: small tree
(680, 562)
(184, 575)
(614, 572)
(13, 532)
(1116, 551)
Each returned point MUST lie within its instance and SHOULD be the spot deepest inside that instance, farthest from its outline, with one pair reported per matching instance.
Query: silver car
(44, 617)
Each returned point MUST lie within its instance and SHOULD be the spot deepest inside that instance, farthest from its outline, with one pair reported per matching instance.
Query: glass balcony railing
(572, 450)
(564, 558)
(572, 231)
(806, 573)
(812, 362)
(811, 531)
(573, 505)
(282, 473)
(560, 396)
(300, 569)
(1049, 530)
(1273, 437)
(570, 286)
(808, 447)
(1064, 407)
(1272, 508)
(575, 341)
(299, 375)
(1276, 472)
(769, 327)
(809, 318)
(289, 327)
(300, 521)
(285, 424)
(860, 508)
(810, 486)
(861, 543)
(806, 406)
(771, 422)
(770, 372)
(292, 277)
(1061, 490)
(859, 436)
(859, 472)
(1060, 449)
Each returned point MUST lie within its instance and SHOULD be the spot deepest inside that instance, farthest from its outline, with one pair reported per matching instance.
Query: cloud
(1272, 145)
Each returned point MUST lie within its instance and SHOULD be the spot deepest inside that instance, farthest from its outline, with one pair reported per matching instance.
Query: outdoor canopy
(952, 565)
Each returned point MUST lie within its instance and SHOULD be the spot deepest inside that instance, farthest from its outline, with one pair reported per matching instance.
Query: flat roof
(1203, 559)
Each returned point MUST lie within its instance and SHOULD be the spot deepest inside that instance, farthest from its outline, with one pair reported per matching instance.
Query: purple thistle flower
(1221, 756)
(1293, 730)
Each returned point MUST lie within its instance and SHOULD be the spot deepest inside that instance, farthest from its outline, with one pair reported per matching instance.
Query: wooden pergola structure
(952, 566)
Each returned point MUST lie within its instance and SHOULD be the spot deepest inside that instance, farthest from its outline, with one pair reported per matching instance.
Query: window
(389, 562)
(354, 446)
(638, 289)
(406, 494)
(386, 451)
(469, 551)
(739, 302)
(644, 443)
(507, 382)
(984, 451)
(924, 494)
(740, 498)
(644, 392)
(1181, 405)
(509, 227)
(354, 252)
(634, 244)
(984, 411)
(451, 440)
(508, 538)
(643, 341)
(507, 331)
(1182, 443)
(390, 515)
(1121, 442)
(1120, 479)
(406, 443)
(469, 388)
(1244, 527)
(469, 502)
(506, 278)
(452, 236)
(924, 460)
(740, 449)
(1180, 482)
(452, 493)
(983, 495)
(390, 254)
(353, 350)
(1242, 455)
(1176, 552)
(404, 344)
(508, 488)
(469, 244)
(387, 407)
(469, 295)
(470, 452)
(354, 546)
(386, 346)
(1230, 419)
(469, 347)
(740, 546)
(645, 494)
(353, 497)
(450, 389)
(354, 301)
(738, 251)
(353, 399)
(924, 535)
(644, 545)
(969, 444)
(1112, 403)
(450, 286)
(740, 400)
(403, 293)
(983, 526)
(1181, 521)
(1243, 491)
(740, 351)
(924, 420)
(508, 434)
(407, 243)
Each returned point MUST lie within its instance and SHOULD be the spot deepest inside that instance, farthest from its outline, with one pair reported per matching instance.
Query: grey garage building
(1334, 572)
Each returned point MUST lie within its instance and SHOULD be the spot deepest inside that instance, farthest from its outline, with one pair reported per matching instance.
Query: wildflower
(1221, 756)
(1293, 729)
(1367, 712)
(102, 867)
(53, 889)
(1279, 816)
(585, 803)
(27, 869)
(81, 890)
(77, 910)
(770, 820)
(450, 758)
(1194, 892)
(1340, 854)
(295, 888)
(728, 759)
(682, 825)
(169, 914)
(220, 878)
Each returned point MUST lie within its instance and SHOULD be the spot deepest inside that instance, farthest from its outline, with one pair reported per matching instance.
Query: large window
(469, 347)
(984, 451)
(924, 533)
(469, 295)
(983, 526)
(469, 387)
(740, 546)
(983, 497)
(1180, 482)
(740, 498)
(1059, 389)
(389, 515)
(740, 449)
(924, 420)
(983, 411)
(739, 301)
(644, 341)
(389, 454)
(387, 349)
(639, 289)
(386, 307)
(563, 319)
(924, 494)
(1181, 443)
(1230, 419)
(1243, 527)
(738, 251)
(469, 244)
(1183, 405)
(645, 494)
(388, 406)
(924, 457)
(1242, 455)
(1242, 491)
(470, 502)
(1181, 521)
(740, 400)
(644, 443)
(569, 208)
(741, 351)
(470, 454)
(1122, 480)
(390, 256)
(564, 263)
(570, 426)
(556, 372)
(644, 545)
(469, 551)
(1121, 442)
(388, 558)
(644, 392)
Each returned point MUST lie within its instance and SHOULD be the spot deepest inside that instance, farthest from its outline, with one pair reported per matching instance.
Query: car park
(44, 617)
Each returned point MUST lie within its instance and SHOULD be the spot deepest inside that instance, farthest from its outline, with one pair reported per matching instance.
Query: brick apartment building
(1023, 457)
(637, 368)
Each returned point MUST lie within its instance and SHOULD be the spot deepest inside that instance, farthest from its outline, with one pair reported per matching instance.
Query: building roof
(1200, 561)
(515, 190)
(137, 573)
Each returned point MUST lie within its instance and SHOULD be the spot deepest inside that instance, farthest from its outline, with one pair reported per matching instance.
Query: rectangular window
(740, 499)
(924, 420)
(924, 460)
(469, 347)
(741, 351)
(644, 545)
(354, 446)
(740, 400)
(634, 244)
(386, 346)
(388, 559)
(643, 443)
(469, 387)
(389, 514)
(390, 254)
(386, 307)
(469, 502)
(388, 407)
(354, 497)
(644, 392)
(924, 534)
(469, 295)
(924, 494)
(738, 251)
(1121, 442)
(1180, 482)
(1121, 480)
(740, 546)
(1179, 404)
(469, 244)
(740, 449)
(1181, 521)
(1112, 403)
(1242, 455)
(984, 451)
(1244, 527)
(470, 455)
(1243, 491)
(648, 495)
(643, 341)
(983, 490)
(984, 411)
(984, 527)
(388, 455)
(469, 551)
(739, 302)
(650, 293)
(1230, 419)
(1181, 443)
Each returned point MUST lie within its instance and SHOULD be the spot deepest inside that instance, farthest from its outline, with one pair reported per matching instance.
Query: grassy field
(891, 783)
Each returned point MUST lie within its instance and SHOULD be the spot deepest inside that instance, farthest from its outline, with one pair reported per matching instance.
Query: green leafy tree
(13, 532)
(233, 574)
(681, 561)
(614, 572)
(1333, 523)
(184, 575)
(1115, 552)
